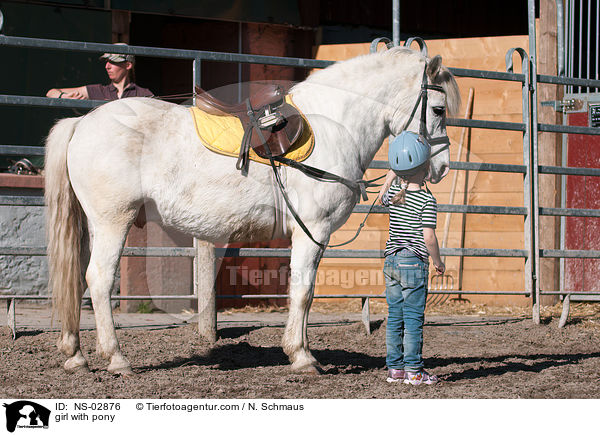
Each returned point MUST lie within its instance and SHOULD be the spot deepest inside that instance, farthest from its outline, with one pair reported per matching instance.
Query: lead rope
(360, 227)
(301, 223)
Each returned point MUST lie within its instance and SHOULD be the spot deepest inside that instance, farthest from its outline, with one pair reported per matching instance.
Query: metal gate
(531, 170)
(581, 108)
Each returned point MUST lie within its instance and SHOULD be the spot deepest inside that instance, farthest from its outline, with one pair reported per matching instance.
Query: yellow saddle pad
(223, 135)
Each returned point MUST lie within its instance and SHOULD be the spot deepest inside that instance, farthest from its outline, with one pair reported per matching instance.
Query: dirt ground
(476, 352)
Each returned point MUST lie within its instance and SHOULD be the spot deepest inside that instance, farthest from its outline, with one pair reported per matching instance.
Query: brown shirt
(110, 92)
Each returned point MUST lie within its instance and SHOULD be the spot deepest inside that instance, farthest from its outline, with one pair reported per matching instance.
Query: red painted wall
(582, 192)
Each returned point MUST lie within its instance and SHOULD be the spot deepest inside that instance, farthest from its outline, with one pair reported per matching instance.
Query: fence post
(204, 287)
(204, 260)
(565, 311)
(530, 180)
(534, 174)
(366, 315)
(11, 318)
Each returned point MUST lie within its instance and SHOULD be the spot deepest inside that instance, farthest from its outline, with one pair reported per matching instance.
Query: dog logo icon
(26, 414)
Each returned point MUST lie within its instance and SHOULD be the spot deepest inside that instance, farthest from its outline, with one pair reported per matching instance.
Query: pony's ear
(433, 67)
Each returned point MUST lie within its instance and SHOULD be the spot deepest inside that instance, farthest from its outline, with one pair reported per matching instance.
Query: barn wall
(493, 100)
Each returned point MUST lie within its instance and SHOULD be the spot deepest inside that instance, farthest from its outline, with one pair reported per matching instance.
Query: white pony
(103, 166)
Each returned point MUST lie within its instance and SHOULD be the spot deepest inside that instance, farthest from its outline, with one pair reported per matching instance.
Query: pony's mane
(399, 61)
(444, 78)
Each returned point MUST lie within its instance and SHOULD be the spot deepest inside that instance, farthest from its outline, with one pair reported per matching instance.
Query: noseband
(425, 86)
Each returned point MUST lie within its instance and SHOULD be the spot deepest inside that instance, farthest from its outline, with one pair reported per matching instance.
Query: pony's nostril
(446, 170)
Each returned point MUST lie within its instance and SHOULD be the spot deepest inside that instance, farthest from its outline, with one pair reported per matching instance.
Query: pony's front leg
(304, 262)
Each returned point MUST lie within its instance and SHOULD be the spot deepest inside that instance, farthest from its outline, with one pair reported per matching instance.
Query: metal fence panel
(586, 77)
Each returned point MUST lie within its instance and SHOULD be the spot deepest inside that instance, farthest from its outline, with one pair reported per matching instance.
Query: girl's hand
(390, 176)
(440, 268)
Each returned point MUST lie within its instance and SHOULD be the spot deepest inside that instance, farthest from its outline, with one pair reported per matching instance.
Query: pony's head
(427, 92)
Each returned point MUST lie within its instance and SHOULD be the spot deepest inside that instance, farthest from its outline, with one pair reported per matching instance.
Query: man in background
(120, 71)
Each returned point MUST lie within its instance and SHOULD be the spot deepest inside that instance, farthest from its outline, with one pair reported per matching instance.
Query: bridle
(425, 86)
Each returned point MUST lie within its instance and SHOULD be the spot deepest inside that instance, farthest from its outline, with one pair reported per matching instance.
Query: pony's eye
(439, 110)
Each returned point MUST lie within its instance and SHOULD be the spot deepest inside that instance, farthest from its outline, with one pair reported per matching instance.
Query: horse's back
(113, 144)
(121, 119)
(137, 150)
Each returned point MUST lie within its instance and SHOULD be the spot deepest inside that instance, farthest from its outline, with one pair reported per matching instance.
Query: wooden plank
(494, 101)
(494, 280)
(22, 181)
(484, 264)
(349, 277)
(478, 239)
(478, 53)
(487, 223)
(475, 222)
(498, 300)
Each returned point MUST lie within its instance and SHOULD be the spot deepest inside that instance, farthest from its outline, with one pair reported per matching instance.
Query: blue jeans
(406, 294)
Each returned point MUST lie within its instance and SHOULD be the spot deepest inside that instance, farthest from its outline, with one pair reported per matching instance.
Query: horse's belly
(217, 219)
(225, 229)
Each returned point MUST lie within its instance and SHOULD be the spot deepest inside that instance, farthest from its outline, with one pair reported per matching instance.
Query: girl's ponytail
(400, 197)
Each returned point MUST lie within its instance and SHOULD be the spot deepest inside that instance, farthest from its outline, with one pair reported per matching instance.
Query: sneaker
(396, 375)
(420, 377)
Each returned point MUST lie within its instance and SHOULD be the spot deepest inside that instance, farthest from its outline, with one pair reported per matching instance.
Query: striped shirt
(408, 220)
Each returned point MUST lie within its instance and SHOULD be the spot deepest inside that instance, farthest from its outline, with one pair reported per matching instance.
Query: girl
(413, 217)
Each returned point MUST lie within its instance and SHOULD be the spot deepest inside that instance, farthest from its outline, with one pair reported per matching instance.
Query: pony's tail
(63, 227)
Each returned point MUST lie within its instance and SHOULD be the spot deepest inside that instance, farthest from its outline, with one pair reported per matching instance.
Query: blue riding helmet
(407, 152)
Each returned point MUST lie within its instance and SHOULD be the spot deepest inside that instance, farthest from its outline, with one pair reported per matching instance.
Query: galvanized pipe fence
(531, 210)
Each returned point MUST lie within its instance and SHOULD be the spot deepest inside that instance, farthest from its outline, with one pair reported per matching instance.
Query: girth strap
(242, 162)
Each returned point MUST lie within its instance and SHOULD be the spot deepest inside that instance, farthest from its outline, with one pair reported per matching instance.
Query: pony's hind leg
(304, 262)
(68, 344)
(108, 242)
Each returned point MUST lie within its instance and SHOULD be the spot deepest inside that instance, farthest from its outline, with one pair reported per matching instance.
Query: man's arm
(79, 93)
(434, 250)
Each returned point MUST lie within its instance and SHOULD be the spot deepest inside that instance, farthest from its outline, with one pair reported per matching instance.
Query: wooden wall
(493, 100)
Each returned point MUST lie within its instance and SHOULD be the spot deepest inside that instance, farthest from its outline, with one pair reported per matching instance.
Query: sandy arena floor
(477, 352)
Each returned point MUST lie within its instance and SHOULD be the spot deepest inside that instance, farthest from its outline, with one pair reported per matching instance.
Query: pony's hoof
(119, 365)
(306, 369)
(76, 363)
(121, 371)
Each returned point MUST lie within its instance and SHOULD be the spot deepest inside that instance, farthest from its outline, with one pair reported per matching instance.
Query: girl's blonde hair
(400, 197)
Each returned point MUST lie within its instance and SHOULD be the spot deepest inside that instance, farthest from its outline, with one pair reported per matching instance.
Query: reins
(175, 96)
(359, 186)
